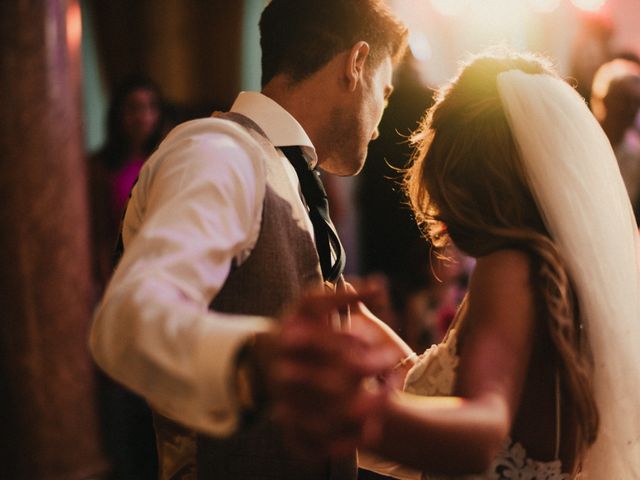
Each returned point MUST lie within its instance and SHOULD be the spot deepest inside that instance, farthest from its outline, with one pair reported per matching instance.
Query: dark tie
(316, 198)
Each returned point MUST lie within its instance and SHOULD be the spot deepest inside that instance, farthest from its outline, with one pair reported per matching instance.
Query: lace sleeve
(435, 372)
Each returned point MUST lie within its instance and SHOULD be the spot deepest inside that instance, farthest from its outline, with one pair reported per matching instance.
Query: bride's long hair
(467, 183)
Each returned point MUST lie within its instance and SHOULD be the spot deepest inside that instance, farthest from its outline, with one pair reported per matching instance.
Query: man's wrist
(252, 393)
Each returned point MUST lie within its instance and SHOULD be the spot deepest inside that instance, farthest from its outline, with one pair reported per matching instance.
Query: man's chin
(352, 170)
(358, 169)
(345, 167)
(360, 165)
(355, 166)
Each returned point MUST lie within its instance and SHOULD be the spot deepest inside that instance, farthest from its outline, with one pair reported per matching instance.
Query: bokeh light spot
(589, 5)
(449, 7)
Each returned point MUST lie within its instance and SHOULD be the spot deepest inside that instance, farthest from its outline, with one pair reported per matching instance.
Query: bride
(539, 376)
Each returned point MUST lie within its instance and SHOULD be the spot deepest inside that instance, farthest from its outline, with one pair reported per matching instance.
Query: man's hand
(323, 381)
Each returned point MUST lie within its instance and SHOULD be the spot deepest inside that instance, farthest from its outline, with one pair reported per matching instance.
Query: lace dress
(435, 375)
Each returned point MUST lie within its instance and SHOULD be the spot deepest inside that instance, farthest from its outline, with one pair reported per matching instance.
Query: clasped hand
(329, 386)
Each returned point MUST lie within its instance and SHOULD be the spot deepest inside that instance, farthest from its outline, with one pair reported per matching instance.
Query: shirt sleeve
(196, 207)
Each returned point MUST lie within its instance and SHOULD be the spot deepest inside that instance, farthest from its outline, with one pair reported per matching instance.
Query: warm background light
(543, 6)
(74, 26)
(420, 46)
(495, 21)
(589, 5)
(569, 32)
(449, 7)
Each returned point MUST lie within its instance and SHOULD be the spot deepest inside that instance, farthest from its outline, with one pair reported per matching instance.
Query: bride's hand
(376, 333)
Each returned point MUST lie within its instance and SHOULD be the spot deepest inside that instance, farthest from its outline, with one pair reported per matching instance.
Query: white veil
(577, 185)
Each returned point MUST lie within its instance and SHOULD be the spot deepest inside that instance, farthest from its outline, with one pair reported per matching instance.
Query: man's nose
(376, 134)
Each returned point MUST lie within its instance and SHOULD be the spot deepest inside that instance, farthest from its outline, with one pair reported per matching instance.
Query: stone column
(49, 427)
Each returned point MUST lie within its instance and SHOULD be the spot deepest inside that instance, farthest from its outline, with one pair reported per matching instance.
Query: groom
(228, 225)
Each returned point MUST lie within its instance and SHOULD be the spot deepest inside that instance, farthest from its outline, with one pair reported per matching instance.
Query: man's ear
(354, 67)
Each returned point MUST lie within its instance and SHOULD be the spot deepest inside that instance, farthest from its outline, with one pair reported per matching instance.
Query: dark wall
(192, 48)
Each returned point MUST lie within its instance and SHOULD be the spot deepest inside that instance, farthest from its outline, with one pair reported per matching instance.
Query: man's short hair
(298, 37)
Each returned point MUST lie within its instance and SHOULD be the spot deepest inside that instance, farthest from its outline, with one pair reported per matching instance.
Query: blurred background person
(615, 102)
(390, 243)
(135, 126)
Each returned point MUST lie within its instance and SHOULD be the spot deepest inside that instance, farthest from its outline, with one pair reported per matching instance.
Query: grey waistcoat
(283, 262)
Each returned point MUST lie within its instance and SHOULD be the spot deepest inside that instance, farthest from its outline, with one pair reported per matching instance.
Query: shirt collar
(280, 126)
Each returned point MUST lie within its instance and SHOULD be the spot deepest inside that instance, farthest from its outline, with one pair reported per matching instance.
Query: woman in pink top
(135, 127)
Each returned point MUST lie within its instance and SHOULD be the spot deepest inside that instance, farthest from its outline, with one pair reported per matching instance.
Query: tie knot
(310, 182)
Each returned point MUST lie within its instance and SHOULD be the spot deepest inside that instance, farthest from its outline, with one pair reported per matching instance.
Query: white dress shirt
(196, 207)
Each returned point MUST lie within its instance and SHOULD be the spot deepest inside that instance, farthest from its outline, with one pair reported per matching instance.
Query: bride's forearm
(448, 434)
(365, 324)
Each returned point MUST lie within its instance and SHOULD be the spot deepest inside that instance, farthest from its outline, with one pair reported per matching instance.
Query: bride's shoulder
(507, 265)
(502, 279)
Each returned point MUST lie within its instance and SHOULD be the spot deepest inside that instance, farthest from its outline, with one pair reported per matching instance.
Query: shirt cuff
(218, 412)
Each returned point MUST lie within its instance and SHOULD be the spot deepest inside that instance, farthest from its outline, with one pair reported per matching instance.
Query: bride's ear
(354, 66)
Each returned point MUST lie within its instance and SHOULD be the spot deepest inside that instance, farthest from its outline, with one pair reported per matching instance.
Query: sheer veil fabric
(577, 185)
